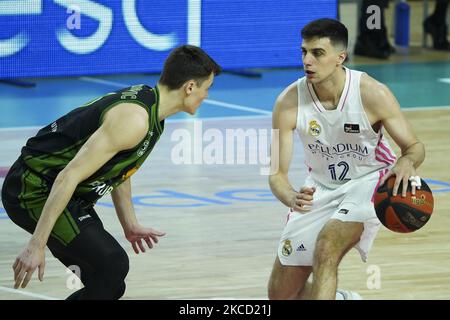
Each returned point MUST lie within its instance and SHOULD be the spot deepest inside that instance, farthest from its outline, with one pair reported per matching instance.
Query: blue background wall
(79, 37)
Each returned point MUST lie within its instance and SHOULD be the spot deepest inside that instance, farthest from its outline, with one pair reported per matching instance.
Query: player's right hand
(302, 200)
(31, 258)
(137, 233)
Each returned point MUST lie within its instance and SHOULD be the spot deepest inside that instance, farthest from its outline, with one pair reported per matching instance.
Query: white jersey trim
(342, 99)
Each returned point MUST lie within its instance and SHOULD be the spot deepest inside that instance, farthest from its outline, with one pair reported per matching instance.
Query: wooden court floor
(224, 247)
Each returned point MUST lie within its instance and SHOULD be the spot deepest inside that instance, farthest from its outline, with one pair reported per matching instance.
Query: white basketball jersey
(340, 144)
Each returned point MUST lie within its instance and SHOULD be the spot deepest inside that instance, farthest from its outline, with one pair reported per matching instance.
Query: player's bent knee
(113, 273)
(278, 293)
(282, 285)
(117, 265)
(120, 291)
(326, 253)
(122, 264)
(275, 289)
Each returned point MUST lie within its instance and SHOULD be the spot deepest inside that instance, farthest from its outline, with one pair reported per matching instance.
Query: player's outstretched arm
(134, 232)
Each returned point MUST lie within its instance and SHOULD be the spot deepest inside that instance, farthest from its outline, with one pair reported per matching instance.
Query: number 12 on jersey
(343, 168)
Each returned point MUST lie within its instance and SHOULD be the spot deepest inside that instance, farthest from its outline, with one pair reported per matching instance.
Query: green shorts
(24, 194)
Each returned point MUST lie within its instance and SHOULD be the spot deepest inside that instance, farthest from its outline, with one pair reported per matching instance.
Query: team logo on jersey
(145, 144)
(132, 92)
(314, 128)
(342, 150)
(287, 248)
(143, 147)
(103, 189)
(351, 128)
(84, 217)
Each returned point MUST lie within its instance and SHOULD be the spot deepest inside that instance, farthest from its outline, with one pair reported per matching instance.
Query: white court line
(19, 128)
(26, 293)
(425, 108)
(213, 102)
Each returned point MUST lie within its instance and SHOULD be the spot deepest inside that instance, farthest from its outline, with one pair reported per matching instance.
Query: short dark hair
(327, 28)
(187, 62)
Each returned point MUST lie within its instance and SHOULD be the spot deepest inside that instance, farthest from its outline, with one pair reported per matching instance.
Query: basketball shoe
(347, 295)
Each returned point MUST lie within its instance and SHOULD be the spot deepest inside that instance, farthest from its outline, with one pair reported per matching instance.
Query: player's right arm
(284, 120)
(114, 135)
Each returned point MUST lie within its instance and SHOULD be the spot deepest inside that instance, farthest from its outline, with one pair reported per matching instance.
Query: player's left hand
(138, 233)
(404, 171)
(32, 257)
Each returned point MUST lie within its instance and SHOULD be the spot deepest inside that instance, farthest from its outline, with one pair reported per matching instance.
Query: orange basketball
(403, 214)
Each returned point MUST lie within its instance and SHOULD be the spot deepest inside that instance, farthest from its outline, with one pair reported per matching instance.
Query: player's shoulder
(372, 87)
(373, 92)
(126, 124)
(286, 105)
(133, 103)
(368, 81)
(288, 98)
(127, 115)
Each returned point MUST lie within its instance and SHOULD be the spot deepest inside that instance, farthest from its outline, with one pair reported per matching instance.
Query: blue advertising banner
(78, 37)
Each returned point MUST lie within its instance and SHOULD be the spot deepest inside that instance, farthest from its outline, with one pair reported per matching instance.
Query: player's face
(320, 58)
(197, 93)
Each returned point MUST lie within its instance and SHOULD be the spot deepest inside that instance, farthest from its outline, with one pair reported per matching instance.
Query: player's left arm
(134, 232)
(382, 106)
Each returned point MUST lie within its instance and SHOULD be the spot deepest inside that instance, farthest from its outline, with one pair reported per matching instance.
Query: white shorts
(350, 202)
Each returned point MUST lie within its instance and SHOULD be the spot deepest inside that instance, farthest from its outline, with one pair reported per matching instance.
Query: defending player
(50, 191)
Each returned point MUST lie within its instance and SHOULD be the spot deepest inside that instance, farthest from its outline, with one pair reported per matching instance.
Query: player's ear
(189, 86)
(342, 57)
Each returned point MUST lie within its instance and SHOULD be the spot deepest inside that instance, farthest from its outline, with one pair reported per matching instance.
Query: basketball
(403, 214)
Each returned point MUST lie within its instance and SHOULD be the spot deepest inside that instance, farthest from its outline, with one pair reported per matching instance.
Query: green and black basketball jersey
(55, 145)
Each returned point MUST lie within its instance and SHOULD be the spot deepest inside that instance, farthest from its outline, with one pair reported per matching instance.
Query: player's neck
(330, 90)
(169, 102)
